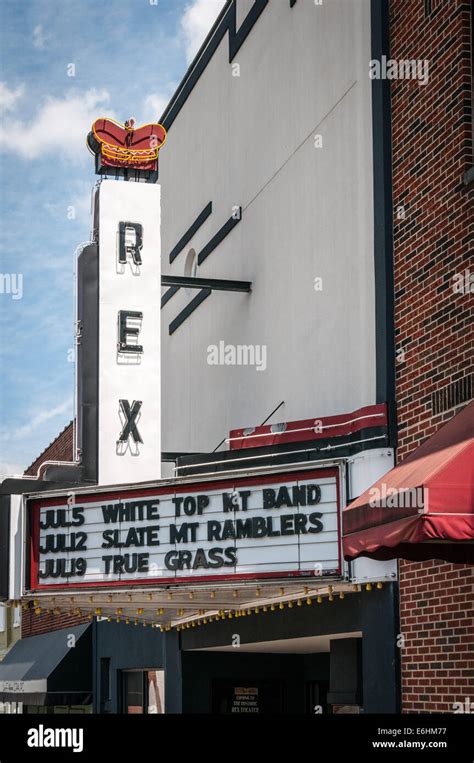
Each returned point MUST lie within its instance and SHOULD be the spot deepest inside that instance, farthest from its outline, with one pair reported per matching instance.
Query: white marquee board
(252, 527)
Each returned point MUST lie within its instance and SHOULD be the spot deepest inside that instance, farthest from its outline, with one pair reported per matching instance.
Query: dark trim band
(382, 199)
(226, 21)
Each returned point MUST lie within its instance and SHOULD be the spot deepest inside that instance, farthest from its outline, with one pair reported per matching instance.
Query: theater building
(210, 530)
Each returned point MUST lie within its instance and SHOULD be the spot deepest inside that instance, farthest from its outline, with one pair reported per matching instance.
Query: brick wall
(437, 621)
(33, 625)
(61, 449)
(433, 223)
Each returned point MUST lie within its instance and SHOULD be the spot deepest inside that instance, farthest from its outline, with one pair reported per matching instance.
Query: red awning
(424, 507)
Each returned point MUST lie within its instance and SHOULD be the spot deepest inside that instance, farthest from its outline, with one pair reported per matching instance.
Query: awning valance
(50, 669)
(424, 507)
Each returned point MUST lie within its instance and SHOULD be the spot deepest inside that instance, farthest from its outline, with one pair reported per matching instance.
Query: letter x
(130, 427)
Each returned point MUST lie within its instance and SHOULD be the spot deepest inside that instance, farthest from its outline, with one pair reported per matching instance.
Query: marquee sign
(254, 527)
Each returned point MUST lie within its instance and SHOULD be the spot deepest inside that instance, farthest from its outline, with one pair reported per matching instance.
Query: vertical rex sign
(128, 219)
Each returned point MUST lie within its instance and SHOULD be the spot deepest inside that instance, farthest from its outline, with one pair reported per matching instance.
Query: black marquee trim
(190, 308)
(186, 238)
(226, 21)
(288, 453)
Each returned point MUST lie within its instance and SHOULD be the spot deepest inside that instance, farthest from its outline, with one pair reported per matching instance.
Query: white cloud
(8, 98)
(9, 469)
(154, 106)
(40, 38)
(61, 126)
(74, 206)
(40, 418)
(197, 20)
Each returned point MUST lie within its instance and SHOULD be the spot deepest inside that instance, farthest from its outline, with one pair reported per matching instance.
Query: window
(191, 268)
(16, 617)
(143, 692)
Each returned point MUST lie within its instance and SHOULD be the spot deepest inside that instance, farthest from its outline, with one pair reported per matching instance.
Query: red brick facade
(433, 223)
(61, 449)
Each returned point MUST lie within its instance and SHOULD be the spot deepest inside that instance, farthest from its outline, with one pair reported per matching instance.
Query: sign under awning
(424, 507)
(41, 670)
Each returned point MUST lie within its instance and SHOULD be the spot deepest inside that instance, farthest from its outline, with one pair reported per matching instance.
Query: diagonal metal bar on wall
(215, 284)
(190, 308)
(186, 237)
(220, 235)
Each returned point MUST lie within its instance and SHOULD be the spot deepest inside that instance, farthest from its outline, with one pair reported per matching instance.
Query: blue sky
(128, 57)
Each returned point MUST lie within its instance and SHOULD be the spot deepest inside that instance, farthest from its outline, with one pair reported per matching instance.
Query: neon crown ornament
(125, 147)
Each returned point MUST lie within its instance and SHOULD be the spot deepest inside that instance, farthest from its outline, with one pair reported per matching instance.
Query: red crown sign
(125, 146)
